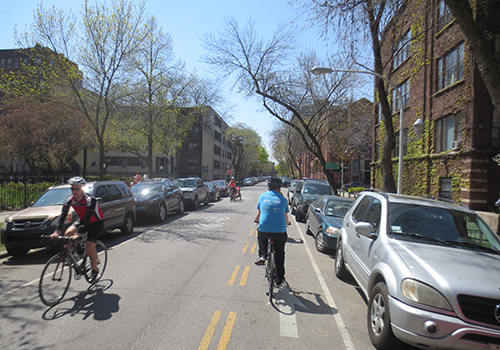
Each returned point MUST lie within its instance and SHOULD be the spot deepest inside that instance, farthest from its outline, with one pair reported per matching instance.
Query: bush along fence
(19, 190)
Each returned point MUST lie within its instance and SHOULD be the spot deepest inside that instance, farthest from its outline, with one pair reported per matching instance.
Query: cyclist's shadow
(92, 302)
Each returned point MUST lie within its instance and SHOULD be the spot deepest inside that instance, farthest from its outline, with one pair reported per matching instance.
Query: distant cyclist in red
(232, 186)
(90, 220)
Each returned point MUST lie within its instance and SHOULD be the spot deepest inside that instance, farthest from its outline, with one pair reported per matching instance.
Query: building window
(217, 164)
(495, 130)
(228, 155)
(448, 133)
(193, 161)
(2, 63)
(218, 121)
(25, 61)
(16, 62)
(192, 146)
(404, 89)
(217, 136)
(444, 15)
(451, 68)
(9, 62)
(217, 150)
(445, 188)
(402, 50)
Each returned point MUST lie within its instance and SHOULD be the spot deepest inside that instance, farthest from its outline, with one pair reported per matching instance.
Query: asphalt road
(189, 283)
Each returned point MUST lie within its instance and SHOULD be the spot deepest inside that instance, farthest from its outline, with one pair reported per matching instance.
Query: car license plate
(493, 347)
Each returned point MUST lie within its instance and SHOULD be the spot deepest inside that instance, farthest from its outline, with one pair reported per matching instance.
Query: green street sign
(332, 166)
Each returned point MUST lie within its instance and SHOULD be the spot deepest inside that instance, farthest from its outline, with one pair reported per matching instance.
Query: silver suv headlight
(421, 293)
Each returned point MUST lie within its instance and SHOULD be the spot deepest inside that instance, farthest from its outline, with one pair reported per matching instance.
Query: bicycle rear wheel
(55, 280)
(271, 273)
(102, 254)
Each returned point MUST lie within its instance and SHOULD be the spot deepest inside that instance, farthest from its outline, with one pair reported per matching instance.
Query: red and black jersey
(87, 209)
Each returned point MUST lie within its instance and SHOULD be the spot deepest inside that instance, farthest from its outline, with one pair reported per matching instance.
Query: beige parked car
(22, 231)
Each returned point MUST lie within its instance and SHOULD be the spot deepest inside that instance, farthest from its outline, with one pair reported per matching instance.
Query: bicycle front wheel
(271, 274)
(102, 260)
(55, 280)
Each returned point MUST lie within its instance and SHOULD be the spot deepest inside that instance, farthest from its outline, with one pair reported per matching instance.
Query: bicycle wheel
(55, 279)
(271, 273)
(102, 254)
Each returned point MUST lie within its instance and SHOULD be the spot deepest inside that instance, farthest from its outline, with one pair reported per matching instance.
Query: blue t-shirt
(272, 206)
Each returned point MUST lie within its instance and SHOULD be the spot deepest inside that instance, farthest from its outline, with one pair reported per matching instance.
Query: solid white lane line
(336, 315)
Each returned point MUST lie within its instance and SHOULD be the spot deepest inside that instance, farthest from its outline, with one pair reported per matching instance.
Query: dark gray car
(157, 198)
(324, 217)
(22, 231)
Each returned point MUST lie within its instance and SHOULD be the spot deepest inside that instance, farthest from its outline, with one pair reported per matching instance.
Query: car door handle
(347, 224)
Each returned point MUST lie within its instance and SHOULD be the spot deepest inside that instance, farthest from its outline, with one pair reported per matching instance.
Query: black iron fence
(19, 190)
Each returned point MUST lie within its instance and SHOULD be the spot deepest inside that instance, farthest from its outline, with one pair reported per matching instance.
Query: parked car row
(424, 265)
(121, 207)
(250, 181)
(22, 231)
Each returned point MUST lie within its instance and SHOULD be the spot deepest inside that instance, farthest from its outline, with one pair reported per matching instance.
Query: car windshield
(446, 225)
(210, 185)
(318, 189)
(55, 196)
(185, 183)
(337, 208)
(145, 188)
(220, 183)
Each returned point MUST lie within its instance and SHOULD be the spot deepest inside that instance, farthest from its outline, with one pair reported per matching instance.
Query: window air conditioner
(454, 144)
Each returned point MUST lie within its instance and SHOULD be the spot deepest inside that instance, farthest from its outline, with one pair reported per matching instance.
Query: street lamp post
(418, 126)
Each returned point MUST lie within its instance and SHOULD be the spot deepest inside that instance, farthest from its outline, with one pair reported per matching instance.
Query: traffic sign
(332, 166)
(229, 171)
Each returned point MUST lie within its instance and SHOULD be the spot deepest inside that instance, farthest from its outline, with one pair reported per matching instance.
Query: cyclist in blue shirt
(272, 217)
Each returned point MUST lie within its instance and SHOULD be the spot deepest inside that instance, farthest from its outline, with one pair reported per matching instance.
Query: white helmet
(77, 181)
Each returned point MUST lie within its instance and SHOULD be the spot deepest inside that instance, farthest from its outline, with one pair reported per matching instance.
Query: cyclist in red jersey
(232, 186)
(90, 220)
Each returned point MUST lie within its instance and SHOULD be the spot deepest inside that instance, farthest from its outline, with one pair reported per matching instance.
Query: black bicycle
(271, 271)
(56, 275)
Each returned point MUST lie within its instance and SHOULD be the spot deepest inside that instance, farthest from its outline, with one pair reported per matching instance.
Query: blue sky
(186, 22)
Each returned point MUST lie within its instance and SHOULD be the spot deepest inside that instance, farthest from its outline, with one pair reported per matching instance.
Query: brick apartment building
(356, 155)
(426, 54)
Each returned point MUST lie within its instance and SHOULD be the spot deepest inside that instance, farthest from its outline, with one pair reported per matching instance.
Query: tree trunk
(385, 160)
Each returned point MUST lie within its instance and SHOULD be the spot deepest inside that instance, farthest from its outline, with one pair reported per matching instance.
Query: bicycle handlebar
(61, 238)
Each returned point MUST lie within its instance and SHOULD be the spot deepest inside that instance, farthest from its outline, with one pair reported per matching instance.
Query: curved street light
(418, 126)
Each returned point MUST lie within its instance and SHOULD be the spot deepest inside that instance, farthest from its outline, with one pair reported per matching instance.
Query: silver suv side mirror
(365, 229)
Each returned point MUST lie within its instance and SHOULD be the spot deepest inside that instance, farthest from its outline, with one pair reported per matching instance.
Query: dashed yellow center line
(244, 277)
(254, 246)
(234, 275)
(252, 232)
(209, 333)
(226, 332)
(245, 247)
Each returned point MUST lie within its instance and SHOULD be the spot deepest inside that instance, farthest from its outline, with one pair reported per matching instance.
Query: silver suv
(428, 268)
(21, 232)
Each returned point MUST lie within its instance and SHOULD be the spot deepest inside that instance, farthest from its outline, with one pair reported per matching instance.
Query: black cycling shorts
(94, 230)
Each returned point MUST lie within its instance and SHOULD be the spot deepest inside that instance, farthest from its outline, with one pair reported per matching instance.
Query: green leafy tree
(247, 147)
(104, 49)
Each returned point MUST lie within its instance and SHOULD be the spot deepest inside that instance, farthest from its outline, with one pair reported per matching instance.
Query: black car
(214, 192)
(157, 198)
(22, 231)
(306, 192)
(324, 218)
